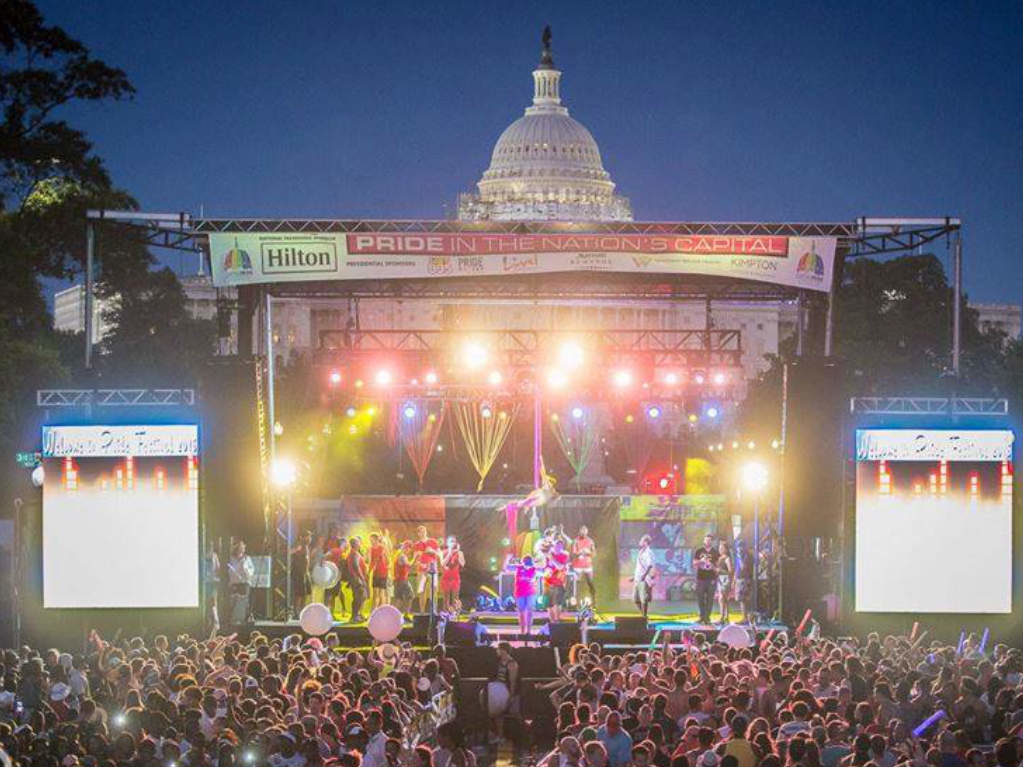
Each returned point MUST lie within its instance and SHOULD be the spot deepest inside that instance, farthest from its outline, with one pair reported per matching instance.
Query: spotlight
(371, 411)
(430, 377)
(711, 449)
(494, 378)
(474, 355)
(664, 482)
(335, 377)
(698, 377)
(751, 445)
(278, 429)
(629, 418)
(735, 444)
(671, 378)
(282, 472)
(654, 412)
(754, 476)
(692, 418)
(557, 378)
(719, 378)
(351, 411)
(577, 413)
(622, 378)
(721, 447)
(358, 384)
(383, 377)
(775, 445)
(712, 412)
(409, 411)
(440, 448)
(570, 355)
(486, 411)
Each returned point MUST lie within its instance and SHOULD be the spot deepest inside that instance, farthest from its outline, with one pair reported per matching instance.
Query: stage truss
(862, 237)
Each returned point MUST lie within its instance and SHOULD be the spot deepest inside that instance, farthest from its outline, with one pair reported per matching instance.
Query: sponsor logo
(518, 263)
(236, 261)
(290, 256)
(642, 261)
(439, 265)
(811, 264)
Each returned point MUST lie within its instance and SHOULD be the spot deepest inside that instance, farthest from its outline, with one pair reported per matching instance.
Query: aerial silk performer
(536, 498)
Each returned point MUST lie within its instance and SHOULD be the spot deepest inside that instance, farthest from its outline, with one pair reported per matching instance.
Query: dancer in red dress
(452, 562)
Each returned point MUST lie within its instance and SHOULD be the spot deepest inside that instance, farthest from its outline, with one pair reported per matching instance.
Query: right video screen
(934, 521)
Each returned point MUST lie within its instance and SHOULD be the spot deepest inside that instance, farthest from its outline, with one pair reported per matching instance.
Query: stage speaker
(813, 461)
(565, 633)
(462, 633)
(420, 629)
(632, 630)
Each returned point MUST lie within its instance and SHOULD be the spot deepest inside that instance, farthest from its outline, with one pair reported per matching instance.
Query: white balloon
(385, 623)
(325, 575)
(316, 619)
(735, 636)
(497, 698)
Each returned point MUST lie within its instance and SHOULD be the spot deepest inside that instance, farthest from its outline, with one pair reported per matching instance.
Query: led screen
(120, 516)
(933, 521)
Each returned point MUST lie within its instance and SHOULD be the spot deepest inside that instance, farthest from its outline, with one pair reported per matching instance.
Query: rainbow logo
(237, 261)
(811, 264)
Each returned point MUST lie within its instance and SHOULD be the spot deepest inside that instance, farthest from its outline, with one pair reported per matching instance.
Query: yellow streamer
(483, 437)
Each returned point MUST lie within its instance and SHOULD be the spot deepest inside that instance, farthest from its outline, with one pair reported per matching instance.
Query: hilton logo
(306, 256)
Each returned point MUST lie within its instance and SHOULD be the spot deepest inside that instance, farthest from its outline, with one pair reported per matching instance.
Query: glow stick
(924, 726)
(767, 639)
(960, 645)
(984, 642)
(803, 621)
(913, 632)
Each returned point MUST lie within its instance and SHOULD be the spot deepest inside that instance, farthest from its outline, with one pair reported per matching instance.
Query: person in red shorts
(402, 573)
(555, 572)
(426, 552)
(378, 571)
(583, 551)
(452, 562)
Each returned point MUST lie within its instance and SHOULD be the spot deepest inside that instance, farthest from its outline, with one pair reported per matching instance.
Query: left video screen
(121, 516)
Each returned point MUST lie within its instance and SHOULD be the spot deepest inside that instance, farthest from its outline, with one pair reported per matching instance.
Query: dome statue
(546, 165)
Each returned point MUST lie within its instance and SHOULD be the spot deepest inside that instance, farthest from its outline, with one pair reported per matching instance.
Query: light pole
(282, 474)
(754, 477)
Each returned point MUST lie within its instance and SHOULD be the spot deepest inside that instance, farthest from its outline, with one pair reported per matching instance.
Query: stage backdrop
(272, 257)
(676, 523)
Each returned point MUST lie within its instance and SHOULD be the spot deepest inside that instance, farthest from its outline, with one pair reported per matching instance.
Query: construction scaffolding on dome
(464, 389)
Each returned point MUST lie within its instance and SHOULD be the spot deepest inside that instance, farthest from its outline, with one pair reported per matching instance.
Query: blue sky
(703, 111)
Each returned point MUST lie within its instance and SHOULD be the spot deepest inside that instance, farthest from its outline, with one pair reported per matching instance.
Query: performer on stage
(336, 550)
(356, 574)
(525, 590)
(583, 552)
(707, 578)
(402, 572)
(555, 573)
(452, 562)
(643, 575)
(241, 573)
(302, 587)
(378, 570)
(724, 588)
(426, 552)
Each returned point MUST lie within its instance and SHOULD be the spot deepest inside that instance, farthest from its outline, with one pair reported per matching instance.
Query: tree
(893, 336)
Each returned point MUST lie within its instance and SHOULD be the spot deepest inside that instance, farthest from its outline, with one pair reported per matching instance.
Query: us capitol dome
(546, 165)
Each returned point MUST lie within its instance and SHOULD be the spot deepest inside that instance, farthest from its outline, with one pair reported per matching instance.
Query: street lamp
(754, 478)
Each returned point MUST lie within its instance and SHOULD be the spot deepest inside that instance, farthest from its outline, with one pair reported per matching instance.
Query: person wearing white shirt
(241, 574)
(643, 575)
(375, 754)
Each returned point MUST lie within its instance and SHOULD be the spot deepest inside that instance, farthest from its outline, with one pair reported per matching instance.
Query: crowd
(687, 701)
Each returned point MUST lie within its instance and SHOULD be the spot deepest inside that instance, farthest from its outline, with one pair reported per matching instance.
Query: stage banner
(270, 257)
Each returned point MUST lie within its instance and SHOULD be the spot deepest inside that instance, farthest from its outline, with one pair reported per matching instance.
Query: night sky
(702, 111)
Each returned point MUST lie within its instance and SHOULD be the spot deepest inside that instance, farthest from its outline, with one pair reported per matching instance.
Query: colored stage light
(383, 377)
(371, 411)
(430, 378)
(283, 472)
(622, 378)
(735, 444)
(494, 378)
(692, 418)
(751, 445)
(486, 411)
(698, 377)
(664, 482)
(719, 378)
(335, 377)
(577, 413)
(557, 378)
(629, 418)
(711, 412)
(672, 378)
(358, 383)
(351, 411)
(474, 355)
(409, 411)
(654, 412)
(570, 355)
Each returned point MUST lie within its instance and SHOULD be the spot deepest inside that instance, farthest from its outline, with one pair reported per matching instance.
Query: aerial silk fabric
(578, 439)
(418, 423)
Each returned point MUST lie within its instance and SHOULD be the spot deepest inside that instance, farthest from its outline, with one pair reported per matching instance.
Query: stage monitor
(933, 521)
(121, 516)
